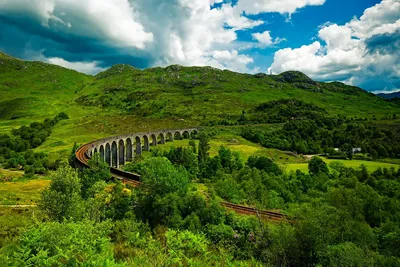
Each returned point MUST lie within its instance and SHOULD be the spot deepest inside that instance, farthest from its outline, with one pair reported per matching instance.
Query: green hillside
(31, 91)
(205, 93)
(124, 99)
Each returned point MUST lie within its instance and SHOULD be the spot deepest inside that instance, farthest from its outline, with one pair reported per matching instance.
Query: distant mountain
(390, 95)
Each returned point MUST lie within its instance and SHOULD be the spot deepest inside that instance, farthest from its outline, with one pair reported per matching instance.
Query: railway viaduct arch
(117, 150)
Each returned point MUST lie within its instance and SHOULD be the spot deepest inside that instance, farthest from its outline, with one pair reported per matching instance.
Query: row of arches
(119, 151)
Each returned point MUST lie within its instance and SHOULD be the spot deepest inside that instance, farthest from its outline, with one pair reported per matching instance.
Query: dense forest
(308, 129)
(338, 216)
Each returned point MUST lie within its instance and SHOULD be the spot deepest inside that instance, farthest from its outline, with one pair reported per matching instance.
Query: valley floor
(287, 160)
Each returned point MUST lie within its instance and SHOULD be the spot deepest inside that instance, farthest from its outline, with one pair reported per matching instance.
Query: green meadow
(371, 165)
(286, 161)
(25, 192)
(236, 144)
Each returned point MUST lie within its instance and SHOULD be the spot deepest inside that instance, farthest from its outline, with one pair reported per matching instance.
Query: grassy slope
(371, 165)
(123, 99)
(287, 162)
(194, 93)
(237, 144)
(33, 91)
(22, 192)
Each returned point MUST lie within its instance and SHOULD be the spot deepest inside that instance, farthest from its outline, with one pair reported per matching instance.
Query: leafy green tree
(192, 144)
(29, 157)
(374, 154)
(211, 167)
(15, 162)
(213, 213)
(192, 223)
(344, 255)
(317, 165)
(264, 164)
(227, 188)
(120, 203)
(167, 210)
(225, 154)
(389, 238)
(363, 175)
(301, 147)
(184, 157)
(382, 152)
(98, 171)
(237, 161)
(204, 147)
(63, 200)
(130, 233)
(161, 177)
(282, 246)
(72, 157)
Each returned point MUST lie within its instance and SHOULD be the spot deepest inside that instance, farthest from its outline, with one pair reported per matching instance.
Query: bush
(185, 244)
(72, 244)
(317, 165)
(62, 200)
(264, 164)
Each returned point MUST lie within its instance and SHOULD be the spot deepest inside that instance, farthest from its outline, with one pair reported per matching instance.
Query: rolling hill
(203, 93)
(390, 95)
(125, 99)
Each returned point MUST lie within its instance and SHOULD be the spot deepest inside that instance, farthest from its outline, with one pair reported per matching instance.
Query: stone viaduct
(117, 150)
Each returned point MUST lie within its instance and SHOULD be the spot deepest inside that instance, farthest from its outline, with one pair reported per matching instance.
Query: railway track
(83, 158)
(129, 178)
(263, 214)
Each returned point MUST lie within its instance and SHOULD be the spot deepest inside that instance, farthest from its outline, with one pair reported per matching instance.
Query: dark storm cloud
(388, 43)
(25, 38)
(383, 44)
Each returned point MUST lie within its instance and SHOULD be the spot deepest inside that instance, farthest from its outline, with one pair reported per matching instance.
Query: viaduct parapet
(117, 150)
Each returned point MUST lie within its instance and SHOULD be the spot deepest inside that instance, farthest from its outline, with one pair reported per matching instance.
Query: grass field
(247, 149)
(391, 161)
(25, 192)
(371, 165)
(238, 144)
(8, 175)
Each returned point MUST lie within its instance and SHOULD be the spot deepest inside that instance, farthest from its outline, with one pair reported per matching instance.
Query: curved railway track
(134, 180)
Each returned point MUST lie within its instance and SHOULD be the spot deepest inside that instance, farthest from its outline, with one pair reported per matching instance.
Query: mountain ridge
(291, 76)
(389, 95)
(287, 76)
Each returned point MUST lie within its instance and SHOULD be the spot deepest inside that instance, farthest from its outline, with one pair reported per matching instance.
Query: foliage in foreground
(341, 218)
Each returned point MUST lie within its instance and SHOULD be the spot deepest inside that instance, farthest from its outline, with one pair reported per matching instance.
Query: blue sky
(303, 26)
(355, 42)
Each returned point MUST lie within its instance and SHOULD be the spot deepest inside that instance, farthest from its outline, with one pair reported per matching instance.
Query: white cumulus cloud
(85, 67)
(192, 32)
(354, 52)
(265, 38)
(280, 6)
